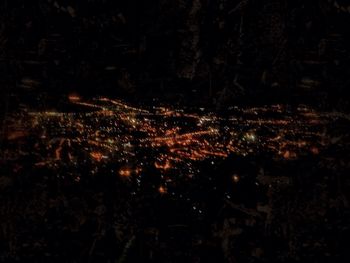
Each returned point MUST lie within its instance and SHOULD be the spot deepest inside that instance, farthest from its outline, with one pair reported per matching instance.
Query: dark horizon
(216, 52)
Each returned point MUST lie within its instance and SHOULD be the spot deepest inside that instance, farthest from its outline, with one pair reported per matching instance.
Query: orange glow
(286, 155)
(74, 97)
(59, 149)
(16, 135)
(162, 190)
(125, 172)
(289, 155)
(219, 154)
(315, 150)
(164, 166)
(96, 156)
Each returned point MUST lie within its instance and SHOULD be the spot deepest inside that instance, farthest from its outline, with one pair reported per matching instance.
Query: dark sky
(209, 51)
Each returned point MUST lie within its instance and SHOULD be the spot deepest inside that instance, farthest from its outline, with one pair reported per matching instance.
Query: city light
(167, 139)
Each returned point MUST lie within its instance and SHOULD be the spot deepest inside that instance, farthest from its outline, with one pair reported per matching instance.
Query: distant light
(315, 150)
(125, 172)
(162, 189)
(250, 136)
(164, 166)
(96, 156)
(74, 97)
(235, 178)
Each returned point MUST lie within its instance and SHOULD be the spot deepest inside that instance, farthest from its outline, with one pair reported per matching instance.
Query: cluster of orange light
(125, 172)
(74, 97)
(97, 156)
(289, 155)
(163, 165)
(162, 189)
(196, 145)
